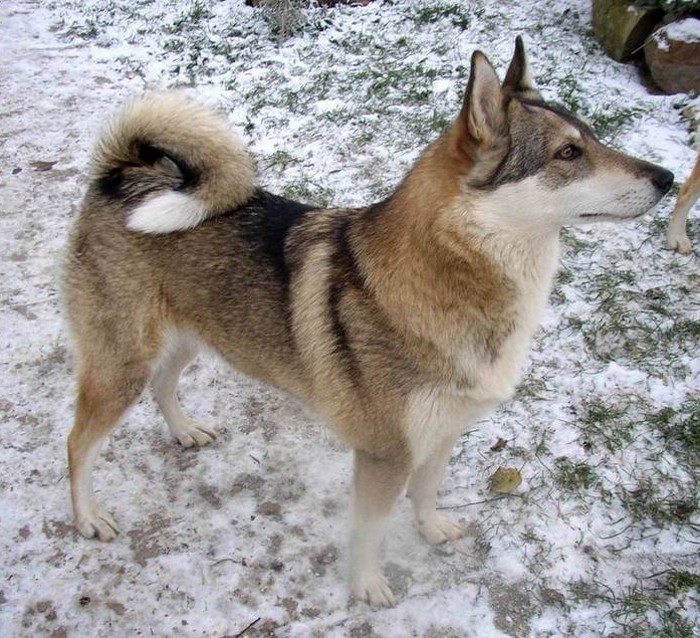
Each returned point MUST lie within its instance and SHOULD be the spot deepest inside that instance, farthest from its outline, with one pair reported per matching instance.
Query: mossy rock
(621, 27)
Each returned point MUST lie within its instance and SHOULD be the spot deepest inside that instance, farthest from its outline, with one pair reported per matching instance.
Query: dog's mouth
(610, 216)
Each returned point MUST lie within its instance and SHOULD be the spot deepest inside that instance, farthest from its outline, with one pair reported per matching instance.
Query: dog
(400, 323)
(676, 236)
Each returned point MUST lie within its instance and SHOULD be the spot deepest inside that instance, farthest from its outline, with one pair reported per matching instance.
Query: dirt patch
(512, 608)
(363, 630)
(247, 481)
(210, 494)
(271, 509)
(323, 558)
(146, 540)
(58, 529)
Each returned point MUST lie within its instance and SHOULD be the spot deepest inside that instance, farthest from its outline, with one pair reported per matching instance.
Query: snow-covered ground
(602, 538)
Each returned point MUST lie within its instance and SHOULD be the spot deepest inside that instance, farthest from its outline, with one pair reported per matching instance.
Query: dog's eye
(568, 152)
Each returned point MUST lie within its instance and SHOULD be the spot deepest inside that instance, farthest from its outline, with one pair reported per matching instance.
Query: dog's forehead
(568, 123)
(571, 132)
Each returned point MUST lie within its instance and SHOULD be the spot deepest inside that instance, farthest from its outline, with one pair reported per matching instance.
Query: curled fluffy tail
(174, 162)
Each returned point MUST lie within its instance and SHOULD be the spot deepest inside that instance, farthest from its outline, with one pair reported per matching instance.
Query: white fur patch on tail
(167, 213)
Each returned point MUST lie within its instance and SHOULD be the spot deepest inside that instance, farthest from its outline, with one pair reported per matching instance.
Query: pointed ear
(518, 78)
(483, 110)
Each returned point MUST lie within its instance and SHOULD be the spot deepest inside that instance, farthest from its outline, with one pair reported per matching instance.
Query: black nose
(663, 179)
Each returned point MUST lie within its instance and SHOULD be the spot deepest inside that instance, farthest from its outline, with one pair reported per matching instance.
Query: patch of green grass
(642, 616)
(429, 13)
(680, 430)
(284, 18)
(539, 551)
(684, 329)
(654, 607)
(130, 66)
(645, 502)
(568, 88)
(608, 424)
(87, 30)
(573, 476)
(533, 386)
(356, 43)
(408, 84)
(679, 581)
(634, 325)
(176, 45)
(575, 243)
(424, 128)
(563, 278)
(371, 175)
(280, 160)
(608, 120)
(306, 191)
(197, 13)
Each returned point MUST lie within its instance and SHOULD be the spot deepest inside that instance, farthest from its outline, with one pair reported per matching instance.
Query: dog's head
(532, 164)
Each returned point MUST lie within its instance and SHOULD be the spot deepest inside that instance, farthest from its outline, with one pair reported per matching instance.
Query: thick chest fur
(495, 379)
(435, 412)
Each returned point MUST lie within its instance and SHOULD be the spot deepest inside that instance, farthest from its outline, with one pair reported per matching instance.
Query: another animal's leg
(175, 359)
(105, 393)
(423, 489)
(378, 483)
(676, 236)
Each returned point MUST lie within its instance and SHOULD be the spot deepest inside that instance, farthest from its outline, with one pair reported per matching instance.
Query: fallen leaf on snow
(505, 479)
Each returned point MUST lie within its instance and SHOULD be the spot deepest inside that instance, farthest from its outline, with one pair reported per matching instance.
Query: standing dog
(676, 236)
(401, 323)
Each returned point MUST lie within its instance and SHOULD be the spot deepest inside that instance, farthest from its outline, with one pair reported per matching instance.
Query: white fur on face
(531, 206)
(614, 196)
(167, 213)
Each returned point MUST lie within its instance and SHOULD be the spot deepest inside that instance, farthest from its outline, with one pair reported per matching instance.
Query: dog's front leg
(423, 489)
(676, 235)
(378, 483)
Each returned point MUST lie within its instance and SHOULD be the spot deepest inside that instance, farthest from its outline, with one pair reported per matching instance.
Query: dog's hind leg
(105, 393)
(378, 483)
(423, 488)
(176, 357)
(676, 236)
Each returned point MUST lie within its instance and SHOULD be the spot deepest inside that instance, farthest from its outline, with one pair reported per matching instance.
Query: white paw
(679, 242)
(373, 587)
(438, 529)
(191, 434)
(97, 523)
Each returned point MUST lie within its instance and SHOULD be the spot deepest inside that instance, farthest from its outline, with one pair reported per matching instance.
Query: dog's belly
(236, 302)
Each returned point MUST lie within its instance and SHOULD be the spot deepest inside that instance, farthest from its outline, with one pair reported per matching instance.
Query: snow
(256, 525)
(687, 30)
